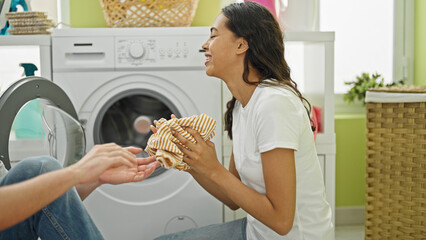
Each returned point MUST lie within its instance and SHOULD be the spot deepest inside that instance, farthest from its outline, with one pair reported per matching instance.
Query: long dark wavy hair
(258, 27)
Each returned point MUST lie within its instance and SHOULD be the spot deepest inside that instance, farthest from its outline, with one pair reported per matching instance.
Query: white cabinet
(40, 44)
(310, 56)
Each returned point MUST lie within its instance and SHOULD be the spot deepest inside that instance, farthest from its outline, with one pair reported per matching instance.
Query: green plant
(363, 83)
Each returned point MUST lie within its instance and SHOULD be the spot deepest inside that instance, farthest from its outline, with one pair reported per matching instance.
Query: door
(38, 118)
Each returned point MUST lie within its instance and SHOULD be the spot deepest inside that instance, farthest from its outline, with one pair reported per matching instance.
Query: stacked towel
(23, 23)
(162, 144)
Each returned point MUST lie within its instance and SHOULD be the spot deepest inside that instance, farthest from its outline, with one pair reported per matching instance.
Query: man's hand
(110, 163)
(99, 159)
(124, 174)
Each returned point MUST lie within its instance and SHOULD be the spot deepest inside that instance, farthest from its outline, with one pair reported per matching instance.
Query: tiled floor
(349, 232)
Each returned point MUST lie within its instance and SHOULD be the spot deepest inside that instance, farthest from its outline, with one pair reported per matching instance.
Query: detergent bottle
(14, 8)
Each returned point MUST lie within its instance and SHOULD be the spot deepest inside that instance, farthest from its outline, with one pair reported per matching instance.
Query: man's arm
(84, 190)
(144, 168)
(123, 174)
(21, 200)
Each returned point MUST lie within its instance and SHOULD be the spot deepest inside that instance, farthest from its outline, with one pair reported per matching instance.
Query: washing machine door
(125, 119)
(38, 118)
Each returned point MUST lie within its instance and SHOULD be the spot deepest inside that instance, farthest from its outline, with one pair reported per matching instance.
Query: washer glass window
(126, 118)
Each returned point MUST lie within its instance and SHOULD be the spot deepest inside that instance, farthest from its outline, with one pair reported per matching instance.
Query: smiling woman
(273, 143)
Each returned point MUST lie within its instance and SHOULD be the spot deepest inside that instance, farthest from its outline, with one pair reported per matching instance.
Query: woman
(274, 173)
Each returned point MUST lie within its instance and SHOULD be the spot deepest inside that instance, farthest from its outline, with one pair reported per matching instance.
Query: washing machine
(120, 81)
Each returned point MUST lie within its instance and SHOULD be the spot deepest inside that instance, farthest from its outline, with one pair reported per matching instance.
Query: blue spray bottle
(13, 8)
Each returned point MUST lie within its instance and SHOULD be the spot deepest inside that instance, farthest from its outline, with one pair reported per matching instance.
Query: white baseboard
(354, 215)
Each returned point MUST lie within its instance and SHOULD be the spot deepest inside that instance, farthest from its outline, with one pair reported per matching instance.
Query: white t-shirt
(276, 118)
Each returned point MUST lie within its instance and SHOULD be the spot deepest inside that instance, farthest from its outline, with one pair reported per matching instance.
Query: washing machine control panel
(161, 51)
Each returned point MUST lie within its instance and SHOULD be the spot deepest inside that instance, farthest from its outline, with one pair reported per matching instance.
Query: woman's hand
(201, 156)
(154, 129)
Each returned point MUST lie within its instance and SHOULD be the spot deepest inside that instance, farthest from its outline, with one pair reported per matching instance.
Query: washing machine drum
(38, 118)
(126, 118)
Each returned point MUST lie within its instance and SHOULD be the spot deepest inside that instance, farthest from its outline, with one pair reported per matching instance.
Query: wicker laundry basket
(396, 163)
(149, 13)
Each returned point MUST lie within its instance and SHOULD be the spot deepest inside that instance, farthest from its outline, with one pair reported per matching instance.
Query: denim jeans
(235, 230)
(64, 218)
(3, 170)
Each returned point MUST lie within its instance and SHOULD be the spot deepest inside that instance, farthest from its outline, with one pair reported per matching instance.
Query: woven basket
(149, 13)
(396, 168)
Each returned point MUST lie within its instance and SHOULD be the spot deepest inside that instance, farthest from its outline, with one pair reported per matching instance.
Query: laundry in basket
(148, 13)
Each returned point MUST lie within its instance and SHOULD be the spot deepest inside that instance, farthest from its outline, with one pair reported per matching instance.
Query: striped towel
(162, 143)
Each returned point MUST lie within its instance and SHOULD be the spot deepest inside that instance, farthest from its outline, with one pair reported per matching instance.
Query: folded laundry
(162, 144)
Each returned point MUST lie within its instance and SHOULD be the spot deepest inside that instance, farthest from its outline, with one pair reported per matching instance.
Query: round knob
(136, 50)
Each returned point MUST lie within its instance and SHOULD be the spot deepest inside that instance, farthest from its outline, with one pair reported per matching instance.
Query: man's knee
(29, 168)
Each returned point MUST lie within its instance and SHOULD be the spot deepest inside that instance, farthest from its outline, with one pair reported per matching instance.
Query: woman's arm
(214, 189)
(206, 183)
(276, 207)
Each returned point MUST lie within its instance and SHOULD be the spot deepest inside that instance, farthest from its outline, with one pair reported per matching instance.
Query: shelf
(309, 37)
(14, 40)
(22, 40)
(349, 116)
(43, 42)
(325, 143)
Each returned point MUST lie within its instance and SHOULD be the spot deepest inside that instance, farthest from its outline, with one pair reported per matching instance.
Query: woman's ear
(242, 46)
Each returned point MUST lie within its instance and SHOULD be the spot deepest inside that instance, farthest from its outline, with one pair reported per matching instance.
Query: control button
(162, 52)
(136, 50)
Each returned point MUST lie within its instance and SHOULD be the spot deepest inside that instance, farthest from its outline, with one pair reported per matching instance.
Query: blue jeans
(64, 218)
(235, 230)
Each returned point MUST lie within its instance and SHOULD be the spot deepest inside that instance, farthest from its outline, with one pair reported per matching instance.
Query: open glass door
(65, 135)
(38, 118)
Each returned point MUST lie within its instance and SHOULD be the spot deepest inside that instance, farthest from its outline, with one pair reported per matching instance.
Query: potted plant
(364, 82)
